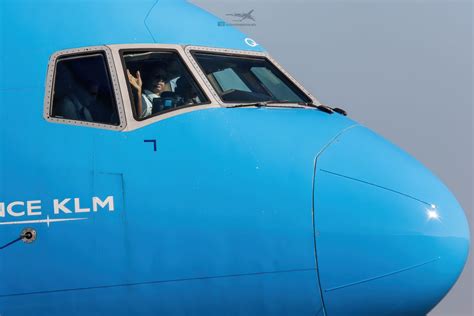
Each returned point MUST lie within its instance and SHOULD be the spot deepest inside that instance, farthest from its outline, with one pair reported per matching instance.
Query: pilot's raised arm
(147, 89)
(143, 106)
(137, 84)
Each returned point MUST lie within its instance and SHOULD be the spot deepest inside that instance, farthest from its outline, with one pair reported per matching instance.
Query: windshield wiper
(263, 104)
(325, 108)
(321, 107)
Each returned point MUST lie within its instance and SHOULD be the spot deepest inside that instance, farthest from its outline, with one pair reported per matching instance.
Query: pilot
(153, 84)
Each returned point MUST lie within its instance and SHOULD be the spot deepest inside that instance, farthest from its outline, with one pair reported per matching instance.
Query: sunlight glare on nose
(432, 213)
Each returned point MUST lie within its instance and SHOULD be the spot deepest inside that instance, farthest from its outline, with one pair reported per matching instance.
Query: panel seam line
(382, 276)
(376, 185)
(146, 17)
(156, 282)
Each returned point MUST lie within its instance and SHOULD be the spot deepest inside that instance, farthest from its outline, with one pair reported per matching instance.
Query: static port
(28, 235)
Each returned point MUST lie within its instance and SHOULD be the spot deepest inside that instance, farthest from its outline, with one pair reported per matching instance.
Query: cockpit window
(83, 91)
(159, 82)
(248, 79)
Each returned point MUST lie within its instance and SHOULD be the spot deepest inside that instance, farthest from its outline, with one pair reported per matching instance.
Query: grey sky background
(403, 68)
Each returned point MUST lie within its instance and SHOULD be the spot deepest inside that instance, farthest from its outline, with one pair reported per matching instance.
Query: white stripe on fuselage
(47, 221)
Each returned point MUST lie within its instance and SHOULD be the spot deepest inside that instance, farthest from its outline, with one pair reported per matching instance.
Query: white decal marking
(13, 213)
(60, 206)
(48, 221)
(250, 42)
(30, 211)
(98, 202)
(77, 207)
(30, 206)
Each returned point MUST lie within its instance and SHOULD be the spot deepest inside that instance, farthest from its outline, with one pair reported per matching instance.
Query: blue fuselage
(217, 211)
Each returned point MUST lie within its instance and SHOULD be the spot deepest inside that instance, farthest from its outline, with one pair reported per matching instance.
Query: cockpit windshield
(240, 79)
(159, 82)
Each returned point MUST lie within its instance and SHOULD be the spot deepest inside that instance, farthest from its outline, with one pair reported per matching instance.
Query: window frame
(120, 85)
(123, 51)
(191, 50)
(132, 123)
(114, 84)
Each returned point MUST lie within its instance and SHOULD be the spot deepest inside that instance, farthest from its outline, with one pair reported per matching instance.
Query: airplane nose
(390, 238)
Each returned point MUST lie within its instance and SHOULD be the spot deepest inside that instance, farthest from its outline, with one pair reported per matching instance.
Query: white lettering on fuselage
(77, 207)
(14, 213)
(32, 209)
(98, 202)
(59, 206)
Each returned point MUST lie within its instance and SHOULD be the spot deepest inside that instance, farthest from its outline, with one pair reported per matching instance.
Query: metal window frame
(50, 80)
(116, 67)
(132, 122)
(189, 50)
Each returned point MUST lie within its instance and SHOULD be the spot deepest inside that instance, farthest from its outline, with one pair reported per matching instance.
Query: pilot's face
(158, 83)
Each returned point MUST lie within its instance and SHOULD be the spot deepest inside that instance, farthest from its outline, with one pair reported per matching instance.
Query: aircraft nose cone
(391, 239)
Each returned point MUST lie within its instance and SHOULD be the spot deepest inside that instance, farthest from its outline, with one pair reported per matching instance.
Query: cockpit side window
(240, 79)
(159, 82)
(82, 90)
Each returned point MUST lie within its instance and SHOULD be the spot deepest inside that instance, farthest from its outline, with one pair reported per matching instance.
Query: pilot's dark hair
(148, 72)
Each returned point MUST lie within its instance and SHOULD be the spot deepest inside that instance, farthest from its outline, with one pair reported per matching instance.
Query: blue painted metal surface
(221, 218)
(387, 229)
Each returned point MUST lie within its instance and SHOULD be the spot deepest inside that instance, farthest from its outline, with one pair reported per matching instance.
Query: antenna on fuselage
(28, 235)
